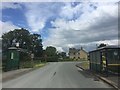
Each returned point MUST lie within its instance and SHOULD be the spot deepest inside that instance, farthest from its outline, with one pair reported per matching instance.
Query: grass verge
(29, 64)
(85, 64)
(39, 65)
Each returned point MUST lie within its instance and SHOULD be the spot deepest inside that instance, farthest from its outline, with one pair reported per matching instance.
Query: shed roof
(19, 49)
(110, 46)
(107, 47)
(12, 48)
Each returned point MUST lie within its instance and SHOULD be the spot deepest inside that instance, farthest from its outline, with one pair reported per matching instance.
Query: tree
(51, 51)
(51, 54)
(101, 45)
(31, 42)
(62, 55)
(36, 44)
(18, 35)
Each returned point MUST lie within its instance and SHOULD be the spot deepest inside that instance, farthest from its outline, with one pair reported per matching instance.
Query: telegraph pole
(32, 62)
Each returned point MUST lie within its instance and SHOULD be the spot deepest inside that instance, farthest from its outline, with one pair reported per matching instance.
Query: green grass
(29, 64)
(26, 64)
(39, 65)
(85, 65)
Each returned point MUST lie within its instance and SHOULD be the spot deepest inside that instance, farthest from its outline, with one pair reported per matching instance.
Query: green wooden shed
(105, 59)
(12, 60)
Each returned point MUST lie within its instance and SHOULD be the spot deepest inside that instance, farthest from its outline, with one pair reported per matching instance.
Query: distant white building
(78, 54)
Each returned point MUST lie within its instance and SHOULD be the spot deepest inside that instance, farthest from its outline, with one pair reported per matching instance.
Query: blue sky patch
(67, 17)
(16, 16)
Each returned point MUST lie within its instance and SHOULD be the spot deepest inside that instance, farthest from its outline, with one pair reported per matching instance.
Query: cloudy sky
(64, 24)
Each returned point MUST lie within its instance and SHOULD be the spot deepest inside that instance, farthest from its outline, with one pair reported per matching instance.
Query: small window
(12, 55)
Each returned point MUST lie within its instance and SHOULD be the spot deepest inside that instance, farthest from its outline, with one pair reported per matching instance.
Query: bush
(67, 59)
(52, 59)
(26, 64)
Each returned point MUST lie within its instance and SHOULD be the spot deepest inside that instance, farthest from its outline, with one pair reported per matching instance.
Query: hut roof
(107, 47)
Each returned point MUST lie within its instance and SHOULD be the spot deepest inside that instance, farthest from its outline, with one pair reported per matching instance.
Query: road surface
(56, 75)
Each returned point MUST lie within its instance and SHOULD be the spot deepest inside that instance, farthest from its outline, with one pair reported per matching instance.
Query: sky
(64, 24)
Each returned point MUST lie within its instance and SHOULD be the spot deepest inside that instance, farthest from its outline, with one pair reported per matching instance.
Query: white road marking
(79, 69)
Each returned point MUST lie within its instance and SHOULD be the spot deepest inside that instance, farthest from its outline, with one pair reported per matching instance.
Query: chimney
(81, 48)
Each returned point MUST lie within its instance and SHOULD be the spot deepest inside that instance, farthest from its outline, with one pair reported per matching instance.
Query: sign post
(32, 57)
(45, 58)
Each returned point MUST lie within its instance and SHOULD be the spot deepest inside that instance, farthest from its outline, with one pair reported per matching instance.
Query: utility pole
(32, 62)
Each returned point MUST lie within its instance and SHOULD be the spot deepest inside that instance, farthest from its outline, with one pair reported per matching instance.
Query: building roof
(12, 48)
(74, 50)
(107, 47)
(83, 50)
(19, 49)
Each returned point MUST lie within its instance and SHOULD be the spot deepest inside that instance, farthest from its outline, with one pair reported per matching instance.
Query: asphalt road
(56, 75)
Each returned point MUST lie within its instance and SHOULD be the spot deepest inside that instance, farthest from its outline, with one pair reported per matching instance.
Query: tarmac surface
(56, 75)
(112, 79)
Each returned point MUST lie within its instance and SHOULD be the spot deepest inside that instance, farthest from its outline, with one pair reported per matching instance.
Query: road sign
(32, 55)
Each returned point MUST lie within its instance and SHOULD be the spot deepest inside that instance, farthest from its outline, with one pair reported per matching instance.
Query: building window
(12, 55)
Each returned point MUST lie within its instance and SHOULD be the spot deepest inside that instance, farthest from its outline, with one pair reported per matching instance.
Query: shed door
(103, 61)
(13, 60)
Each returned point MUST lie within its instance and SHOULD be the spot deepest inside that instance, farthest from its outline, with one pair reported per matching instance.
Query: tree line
(31, 43)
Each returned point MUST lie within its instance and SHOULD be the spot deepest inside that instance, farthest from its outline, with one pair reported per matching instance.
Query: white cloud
(59, 0)
(11, 5)
(69, 12)
(109, 42)
(6, 27)
(38, 13)
(85, 24)
(90, 28)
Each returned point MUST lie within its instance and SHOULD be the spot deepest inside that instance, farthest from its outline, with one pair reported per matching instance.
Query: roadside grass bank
(70, 59)
(85, 64)
(39, 65)
(32, 64)
(25, 68)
